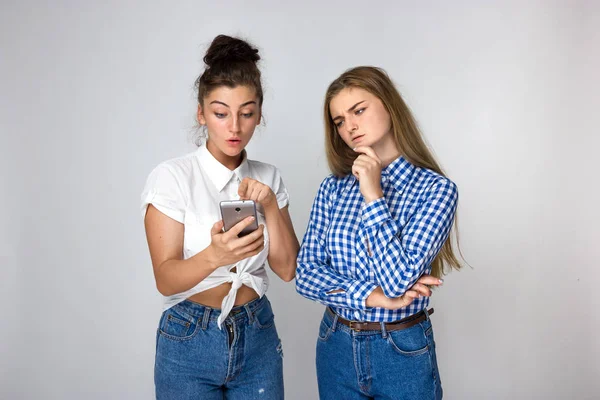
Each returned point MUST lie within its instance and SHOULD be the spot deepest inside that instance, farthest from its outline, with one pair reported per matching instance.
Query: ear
(259, 118)
(200, 115)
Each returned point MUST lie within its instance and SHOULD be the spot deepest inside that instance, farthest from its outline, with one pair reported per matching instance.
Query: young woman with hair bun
(216, 337)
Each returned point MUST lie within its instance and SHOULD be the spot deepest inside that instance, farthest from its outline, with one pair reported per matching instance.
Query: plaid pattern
(351, 248)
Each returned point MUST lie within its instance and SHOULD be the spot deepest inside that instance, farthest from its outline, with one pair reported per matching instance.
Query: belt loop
(426, 311)
(205, 317)
(250, 314)
(383, 330)
(334, 323)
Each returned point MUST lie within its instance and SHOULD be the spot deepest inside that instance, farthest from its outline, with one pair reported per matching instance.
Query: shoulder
(174, 171)
(432, 183)
(182, 165)
(333, 185)
(263, 168)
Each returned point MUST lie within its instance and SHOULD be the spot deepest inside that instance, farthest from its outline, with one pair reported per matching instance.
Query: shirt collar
(399, 172)
(219, 174)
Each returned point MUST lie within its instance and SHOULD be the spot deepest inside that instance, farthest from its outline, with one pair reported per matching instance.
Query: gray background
(94, 95)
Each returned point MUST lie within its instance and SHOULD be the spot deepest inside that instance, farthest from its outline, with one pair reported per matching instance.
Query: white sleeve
(164, 192)
(283, 198)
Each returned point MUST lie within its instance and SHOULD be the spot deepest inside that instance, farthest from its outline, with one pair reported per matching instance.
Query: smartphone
(233, 211)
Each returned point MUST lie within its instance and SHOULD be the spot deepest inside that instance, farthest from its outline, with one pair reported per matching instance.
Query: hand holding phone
(229, 247)
(234, 211)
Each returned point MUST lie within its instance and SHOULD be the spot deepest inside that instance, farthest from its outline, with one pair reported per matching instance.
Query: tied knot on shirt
(236, 281)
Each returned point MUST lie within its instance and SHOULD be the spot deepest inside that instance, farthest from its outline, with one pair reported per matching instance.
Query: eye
(219, 115)
(360, 111)
(248, 115)
(339, 124)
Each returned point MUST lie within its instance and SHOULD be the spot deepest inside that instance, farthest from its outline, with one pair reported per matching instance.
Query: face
(230, 116)
(360, 118)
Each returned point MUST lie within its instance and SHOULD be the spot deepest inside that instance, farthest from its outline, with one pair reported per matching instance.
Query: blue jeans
(197, 360)
(376, 364)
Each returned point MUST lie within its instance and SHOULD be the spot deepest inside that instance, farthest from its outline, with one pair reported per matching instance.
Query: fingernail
(441, 281)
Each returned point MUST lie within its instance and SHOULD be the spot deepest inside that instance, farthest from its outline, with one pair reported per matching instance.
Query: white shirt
(188, 189)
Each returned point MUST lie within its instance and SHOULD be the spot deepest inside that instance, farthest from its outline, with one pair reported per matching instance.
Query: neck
(230, 162)
(386, 149)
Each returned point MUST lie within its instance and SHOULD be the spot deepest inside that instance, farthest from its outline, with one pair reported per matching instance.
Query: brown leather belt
(389, 326)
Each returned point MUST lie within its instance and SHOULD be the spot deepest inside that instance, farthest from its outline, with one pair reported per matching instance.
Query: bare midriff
(214, 297)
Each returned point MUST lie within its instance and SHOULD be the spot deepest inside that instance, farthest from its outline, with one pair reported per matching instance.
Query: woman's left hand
(367, 169)
(251, 189)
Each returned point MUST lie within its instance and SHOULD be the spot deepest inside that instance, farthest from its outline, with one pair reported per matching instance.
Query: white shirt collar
(219, 174)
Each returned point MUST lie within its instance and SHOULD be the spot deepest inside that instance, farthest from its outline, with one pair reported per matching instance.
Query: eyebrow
(349, 110)
(227, 105)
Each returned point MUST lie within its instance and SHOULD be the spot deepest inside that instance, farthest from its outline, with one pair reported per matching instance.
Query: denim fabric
(399, 365)
(197, 360)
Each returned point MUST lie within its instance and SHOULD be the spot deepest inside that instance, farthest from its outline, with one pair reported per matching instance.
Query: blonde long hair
(407, 136)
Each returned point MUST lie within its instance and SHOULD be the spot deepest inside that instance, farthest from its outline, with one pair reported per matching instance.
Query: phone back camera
(238, 209)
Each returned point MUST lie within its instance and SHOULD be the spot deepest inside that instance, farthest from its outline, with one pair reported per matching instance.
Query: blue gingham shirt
(351, 247)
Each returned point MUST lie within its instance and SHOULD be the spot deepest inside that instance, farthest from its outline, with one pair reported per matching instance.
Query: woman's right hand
(227, 248)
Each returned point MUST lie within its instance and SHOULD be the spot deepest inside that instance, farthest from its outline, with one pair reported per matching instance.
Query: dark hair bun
(226, 49)
(230, 62)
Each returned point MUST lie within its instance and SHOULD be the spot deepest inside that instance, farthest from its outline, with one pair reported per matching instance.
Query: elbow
(161, 283)
(162, 289)
(284, 268)
(290, 272)
(399, 283)
(391, 292)
(288, 277)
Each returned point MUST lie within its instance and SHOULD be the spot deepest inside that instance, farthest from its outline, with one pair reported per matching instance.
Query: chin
(361, 143)
(233, 152)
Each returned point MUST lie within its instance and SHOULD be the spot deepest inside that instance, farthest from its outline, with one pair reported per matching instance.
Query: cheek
(345, 137)
(216, 126)
(248, 125)
(385, 122)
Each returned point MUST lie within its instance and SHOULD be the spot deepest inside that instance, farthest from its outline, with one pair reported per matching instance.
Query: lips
(233, 140)
(358, 137)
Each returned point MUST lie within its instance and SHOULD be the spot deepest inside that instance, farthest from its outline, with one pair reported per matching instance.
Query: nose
(351, 124)
(235, 125)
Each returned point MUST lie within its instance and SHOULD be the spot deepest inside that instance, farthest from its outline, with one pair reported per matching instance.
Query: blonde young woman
(377, 238)
(216, 338)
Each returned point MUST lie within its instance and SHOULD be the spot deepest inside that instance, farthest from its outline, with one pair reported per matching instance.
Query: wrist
(371, 197)
(272, 210)
(210, 257)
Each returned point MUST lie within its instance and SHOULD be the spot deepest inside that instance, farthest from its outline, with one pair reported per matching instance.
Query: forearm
(283, 244)
(318, 282)
(402, 254)
(177, 276)
(396, 269)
